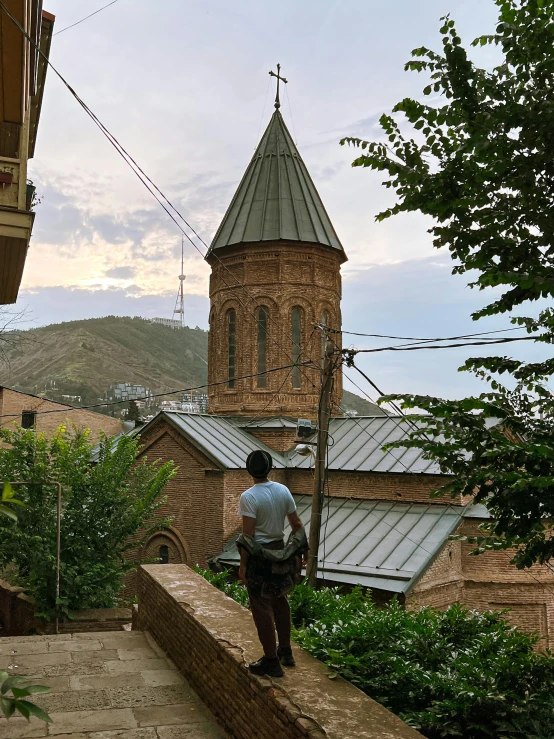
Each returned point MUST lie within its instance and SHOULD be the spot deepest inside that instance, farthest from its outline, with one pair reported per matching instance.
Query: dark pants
(271, 613)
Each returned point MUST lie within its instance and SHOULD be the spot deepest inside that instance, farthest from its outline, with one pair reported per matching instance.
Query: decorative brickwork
(281, 276)
(13, 403)
(279, 439)
(210, 638)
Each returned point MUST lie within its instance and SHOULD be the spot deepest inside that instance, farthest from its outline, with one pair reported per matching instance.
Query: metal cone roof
(276, 198)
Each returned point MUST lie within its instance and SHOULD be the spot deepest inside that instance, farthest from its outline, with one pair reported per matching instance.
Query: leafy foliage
(453, 673)
(20, 688)
(480, 163)
(8, 498)
(108, 508)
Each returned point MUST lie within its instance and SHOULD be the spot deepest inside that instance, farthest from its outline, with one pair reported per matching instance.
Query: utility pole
(323, 415)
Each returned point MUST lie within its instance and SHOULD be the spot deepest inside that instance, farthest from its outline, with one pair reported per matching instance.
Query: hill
(84, 358)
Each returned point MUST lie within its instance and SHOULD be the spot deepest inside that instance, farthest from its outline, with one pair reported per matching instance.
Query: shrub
(453, 673)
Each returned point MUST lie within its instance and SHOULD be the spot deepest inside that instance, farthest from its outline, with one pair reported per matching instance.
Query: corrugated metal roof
(379, 544)
(356, 445)
(222, 441)
(276, 198)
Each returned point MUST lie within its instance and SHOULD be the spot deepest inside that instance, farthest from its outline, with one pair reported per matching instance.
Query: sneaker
(285, 656)
(267, 666)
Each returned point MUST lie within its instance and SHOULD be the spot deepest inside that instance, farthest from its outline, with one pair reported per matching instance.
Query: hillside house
(42, 414)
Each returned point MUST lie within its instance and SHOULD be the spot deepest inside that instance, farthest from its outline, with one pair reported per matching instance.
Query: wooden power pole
(323, 415)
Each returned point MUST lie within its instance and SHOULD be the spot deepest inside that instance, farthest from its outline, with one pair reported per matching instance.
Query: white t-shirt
(269, 503)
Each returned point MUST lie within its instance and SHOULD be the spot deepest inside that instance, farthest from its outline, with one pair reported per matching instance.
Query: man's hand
(242, 574)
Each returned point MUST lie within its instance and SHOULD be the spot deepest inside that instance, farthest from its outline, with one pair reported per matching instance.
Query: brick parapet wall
(17, 616)
(210, 638)
(13, 403)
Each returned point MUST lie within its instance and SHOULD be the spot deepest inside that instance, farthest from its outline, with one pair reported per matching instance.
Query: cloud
(121, 273)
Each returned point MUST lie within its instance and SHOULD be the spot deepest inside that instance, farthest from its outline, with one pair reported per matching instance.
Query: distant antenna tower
(179, 310)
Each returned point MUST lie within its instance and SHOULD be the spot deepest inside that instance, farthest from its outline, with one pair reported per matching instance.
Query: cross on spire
(279, 78)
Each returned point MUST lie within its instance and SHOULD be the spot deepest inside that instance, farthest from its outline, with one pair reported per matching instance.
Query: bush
(453, 673)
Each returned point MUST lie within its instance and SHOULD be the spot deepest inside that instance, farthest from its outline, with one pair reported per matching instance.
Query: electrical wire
(68, 409)
(420, 347)
(419, 339)
(85, 18)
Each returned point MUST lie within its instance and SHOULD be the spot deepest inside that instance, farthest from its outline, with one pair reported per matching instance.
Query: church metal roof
(218, 438)
(379, 544)
(276, 198)
(356, 444)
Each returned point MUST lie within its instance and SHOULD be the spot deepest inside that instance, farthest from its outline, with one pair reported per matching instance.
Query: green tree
(133, 413)
(108, 508)
(480, 162)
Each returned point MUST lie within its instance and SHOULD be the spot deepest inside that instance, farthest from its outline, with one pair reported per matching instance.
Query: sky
(184, 86)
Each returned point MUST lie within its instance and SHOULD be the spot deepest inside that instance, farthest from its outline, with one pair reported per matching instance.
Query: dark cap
(259, 463)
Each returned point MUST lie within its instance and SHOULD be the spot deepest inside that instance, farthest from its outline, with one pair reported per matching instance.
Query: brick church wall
(194, 495)
(279, 439)
(13, 403)
(371, 485)
(280, 276)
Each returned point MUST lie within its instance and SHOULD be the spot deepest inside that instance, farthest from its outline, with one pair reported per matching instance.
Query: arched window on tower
(324, 324)
(231, 347)
(262, 318)
(296, 330)
(164, 554)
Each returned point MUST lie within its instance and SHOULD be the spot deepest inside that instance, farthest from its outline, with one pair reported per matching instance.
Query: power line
(147, 397)
(419, 339)
(86, 18)
(408, 348)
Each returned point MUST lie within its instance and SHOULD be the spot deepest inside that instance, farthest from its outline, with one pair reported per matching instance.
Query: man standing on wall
(263, 508)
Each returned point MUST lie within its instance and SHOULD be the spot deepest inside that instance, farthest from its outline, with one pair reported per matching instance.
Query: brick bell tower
(275, 263)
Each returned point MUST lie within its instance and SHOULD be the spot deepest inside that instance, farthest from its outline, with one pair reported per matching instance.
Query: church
(275, 285)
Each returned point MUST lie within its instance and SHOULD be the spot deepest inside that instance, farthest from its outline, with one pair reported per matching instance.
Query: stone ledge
(210, 638)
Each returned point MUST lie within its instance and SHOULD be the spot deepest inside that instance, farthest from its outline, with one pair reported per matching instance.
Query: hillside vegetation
(86, 357)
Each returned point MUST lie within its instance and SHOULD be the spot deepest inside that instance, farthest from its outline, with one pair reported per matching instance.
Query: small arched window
(164, 554)
(324, 324)
(262, 318)
(296, 331)
(231, 347)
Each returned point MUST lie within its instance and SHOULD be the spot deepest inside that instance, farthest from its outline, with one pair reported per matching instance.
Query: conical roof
(276, 198)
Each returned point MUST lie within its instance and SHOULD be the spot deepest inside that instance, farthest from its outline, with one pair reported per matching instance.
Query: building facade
(32, 411)
(22, 77)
